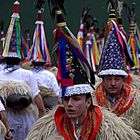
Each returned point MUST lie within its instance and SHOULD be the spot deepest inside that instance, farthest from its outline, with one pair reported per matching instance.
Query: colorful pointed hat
(39, 50)
(80, 35)
(12, 40)
(133, 41)
(120, 6)
(86, 34)
(112, 60)
(92, 52)
(74, 71)
(115, 52)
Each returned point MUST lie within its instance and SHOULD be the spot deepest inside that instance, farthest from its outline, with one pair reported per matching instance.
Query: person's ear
(88, 102)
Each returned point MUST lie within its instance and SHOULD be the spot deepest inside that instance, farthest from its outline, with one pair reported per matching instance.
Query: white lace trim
(112, 72)
(78, 89)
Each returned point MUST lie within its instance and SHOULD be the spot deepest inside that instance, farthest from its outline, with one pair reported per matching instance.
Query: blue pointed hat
(112, 60)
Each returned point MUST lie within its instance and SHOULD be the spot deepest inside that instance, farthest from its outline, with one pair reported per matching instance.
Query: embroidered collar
(122, 104)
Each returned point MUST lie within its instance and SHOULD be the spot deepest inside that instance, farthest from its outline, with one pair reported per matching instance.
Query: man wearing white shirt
(14, 51)
(13, 72)
(46, 79)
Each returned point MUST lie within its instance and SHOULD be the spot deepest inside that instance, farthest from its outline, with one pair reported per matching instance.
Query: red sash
(122, 105)
(90, 126)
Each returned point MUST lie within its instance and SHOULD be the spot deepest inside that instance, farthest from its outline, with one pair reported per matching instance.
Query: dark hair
(38, 63)
(112, 75)
(12, 60)
(88, 95)
(50, 101)
(2, 60)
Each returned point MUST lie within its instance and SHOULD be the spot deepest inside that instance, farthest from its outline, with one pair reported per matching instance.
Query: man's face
(113, 84)
(76, 106)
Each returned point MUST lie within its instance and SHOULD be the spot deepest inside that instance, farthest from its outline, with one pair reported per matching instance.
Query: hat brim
(78, 89)
(112, 72)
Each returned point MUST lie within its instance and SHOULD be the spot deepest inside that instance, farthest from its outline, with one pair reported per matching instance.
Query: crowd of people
(91, 93)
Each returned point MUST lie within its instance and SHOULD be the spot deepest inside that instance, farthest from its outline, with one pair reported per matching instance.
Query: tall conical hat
(133, 42)
(14, 41)
(39, 50)
(74, 71)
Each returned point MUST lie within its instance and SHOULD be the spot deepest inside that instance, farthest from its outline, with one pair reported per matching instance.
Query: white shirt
(21, 75)
(2, 66)
(47, 79)
(1, 106)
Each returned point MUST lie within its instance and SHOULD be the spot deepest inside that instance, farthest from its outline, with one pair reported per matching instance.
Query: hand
(41, 114)
(9, 135)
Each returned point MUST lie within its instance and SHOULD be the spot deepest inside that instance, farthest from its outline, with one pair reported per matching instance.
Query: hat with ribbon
(112, 60)
(87, 40)
(74, 71)
(39, 50)
(115, 52)
(15, 45)
(133, 40)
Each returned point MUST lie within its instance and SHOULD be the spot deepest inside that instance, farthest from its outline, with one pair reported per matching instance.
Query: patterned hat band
(112, 72)
(78, 89)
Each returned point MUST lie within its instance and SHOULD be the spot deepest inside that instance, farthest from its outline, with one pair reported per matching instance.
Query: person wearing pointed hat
(120, 6)
(39, 55)
(131, 79)
(21, 120)
(77, 118)
(87, 38)
(5, 130)
(133, 40)
(133, 44)
(113, 93)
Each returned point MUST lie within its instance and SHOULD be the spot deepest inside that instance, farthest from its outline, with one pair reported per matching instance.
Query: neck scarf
(122, 104)
(88, 130)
